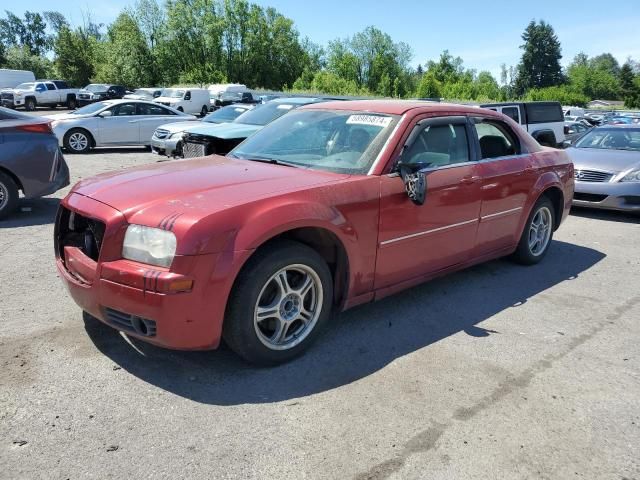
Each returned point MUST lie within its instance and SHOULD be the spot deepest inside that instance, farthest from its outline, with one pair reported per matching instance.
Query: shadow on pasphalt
(606, 215)
(360, 341)
(31, 212)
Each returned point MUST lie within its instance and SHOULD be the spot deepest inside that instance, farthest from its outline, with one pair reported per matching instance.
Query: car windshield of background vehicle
(141, 92)
(224, 114)
(96, 87)
(334, 141)
(266, 113)
(172, 93)
(611, 139)
(92, 108)
(26, 86)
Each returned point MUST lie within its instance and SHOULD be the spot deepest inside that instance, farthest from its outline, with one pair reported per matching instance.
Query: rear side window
(544, 112)
(61, 85)
(50, 86)
(496, 139)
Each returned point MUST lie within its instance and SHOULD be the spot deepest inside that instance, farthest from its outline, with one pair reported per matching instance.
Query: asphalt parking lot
(500, 371)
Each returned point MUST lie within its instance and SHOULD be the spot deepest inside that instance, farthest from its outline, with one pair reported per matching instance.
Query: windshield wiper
(262, 159)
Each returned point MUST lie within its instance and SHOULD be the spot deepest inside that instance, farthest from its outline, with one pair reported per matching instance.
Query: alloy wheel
(4, 196)
(78, 141)
(540, 231)
(288, 307)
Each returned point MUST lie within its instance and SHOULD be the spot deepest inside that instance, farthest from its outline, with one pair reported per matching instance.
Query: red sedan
(333, 205)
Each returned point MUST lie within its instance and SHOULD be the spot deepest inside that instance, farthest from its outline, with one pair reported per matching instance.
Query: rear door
(151, 116)
(416, 240)
(507, 178)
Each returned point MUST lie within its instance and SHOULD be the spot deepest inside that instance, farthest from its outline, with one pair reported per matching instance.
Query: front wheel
(279, 305)
(30, 104)
(8, 195)
(77, 141)
(537, 235)
(180, 109)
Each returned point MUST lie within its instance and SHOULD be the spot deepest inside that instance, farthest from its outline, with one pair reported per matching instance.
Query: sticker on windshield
(285, 107)
(374, 120)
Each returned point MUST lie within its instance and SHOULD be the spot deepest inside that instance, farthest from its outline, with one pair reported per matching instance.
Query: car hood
(92, 93)
(603, 159)
(176, 127)
(225, 130)
(197, 187)
(17, 90)
(167, 99)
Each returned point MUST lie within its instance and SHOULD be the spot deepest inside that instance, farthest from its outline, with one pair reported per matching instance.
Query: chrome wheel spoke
(280, 332)
(306, 286)
(283, 283)
(305, 316)
(267, 312)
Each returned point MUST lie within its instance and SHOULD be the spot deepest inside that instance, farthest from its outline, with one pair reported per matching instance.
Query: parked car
(232, 98)
(188, 100)
(267, 98)
(573, 111)
(543, 120)
(218, 91)
(330, 206)
(573, 131)
(97, 92)
(13, 78)
(620, 120)
(167, 139)
(30, 159)
(582, 120)
(144, 94)
(201, 140)
(111, 123)
(607, 168)
(41, 93)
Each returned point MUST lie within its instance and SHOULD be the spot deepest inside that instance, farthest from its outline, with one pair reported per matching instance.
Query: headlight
(18, 94)
(95, 97)
(149, 245)
(632, 176)
(175, 135)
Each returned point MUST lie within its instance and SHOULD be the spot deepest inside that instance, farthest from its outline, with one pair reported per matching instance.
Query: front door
(416, 240)
(122, 127)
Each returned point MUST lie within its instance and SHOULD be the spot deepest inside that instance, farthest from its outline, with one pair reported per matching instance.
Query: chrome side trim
(426, 232)
(498, 214)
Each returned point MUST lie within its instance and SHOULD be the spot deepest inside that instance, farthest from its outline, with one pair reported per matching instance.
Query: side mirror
(415, 181)
(566, 144)
(106, 113)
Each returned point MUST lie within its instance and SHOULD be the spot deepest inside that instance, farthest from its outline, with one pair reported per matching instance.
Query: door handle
(469, 180)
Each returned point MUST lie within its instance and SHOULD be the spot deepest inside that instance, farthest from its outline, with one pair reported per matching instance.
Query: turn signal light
(180, 285)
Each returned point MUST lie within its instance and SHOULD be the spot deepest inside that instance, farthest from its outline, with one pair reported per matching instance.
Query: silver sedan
(112, 123)
(607, 168)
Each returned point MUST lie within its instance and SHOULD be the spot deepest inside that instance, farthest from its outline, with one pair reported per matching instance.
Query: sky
(484, 36)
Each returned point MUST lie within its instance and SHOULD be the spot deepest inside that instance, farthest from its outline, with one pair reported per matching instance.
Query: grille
(167, 104)
(589, 197)
(592, 176)
(193, 150)
(74, 230)
(130, 323)
(161, 134)
(84, 96)
(6, 96)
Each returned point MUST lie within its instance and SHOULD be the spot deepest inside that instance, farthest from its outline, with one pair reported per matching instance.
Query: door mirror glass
(415, 181)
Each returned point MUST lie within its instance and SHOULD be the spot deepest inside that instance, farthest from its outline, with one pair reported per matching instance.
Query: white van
(221, 91)
(573, 111)
(185, 99)
(13, 78)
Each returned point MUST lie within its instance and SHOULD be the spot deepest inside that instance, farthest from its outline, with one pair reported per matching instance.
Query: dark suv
(97, 92)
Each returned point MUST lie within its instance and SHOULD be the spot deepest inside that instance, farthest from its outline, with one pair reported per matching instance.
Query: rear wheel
(71, 103)
(8, 195)
(537, 235)
(204, 110)
(77, 140)
(279, 305)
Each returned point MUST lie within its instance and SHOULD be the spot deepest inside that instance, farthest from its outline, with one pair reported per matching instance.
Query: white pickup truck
(49, 93)
(543, 120)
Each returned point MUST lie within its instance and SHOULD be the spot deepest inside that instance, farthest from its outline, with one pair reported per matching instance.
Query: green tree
(540, 63)
(593, 79)
(74, 55)
(429, 87)
(21, 58)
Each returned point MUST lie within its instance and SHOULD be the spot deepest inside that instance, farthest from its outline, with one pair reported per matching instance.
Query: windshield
(172, 93)
(92, 108)
(225, 114)
(263, 114)
(611, 139)
(26, 86)
(335, 141)
(96, 87)
(143, 92)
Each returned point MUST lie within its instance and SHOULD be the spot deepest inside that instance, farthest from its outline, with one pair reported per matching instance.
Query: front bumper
(165, 146)
(134, 297)
(624, 197)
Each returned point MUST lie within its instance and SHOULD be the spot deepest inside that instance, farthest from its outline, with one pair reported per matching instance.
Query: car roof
(396, 107)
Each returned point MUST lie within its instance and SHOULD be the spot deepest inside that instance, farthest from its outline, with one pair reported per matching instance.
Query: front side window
(439, 145)
(331, 140)
(124, 110)
(496, 138)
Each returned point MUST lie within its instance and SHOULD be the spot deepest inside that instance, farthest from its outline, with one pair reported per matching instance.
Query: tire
(278, 338)
(53, 106)
(74, 143)
(204, 111)
(30, 104)
(72, 104)
(532, 250)
(8, 195)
